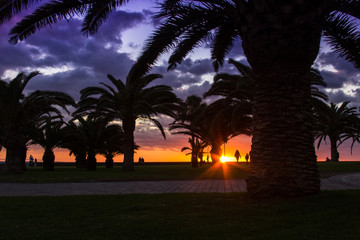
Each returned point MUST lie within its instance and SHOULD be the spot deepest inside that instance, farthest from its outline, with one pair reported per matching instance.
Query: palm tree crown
(336, 123)
(20, 115)
(129, 101)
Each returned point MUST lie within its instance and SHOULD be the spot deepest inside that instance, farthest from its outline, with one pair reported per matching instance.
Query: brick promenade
(348, 181)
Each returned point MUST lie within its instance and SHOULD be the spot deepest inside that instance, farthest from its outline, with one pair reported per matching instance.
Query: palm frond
(46, 15)
(10, 8)
(341, 33)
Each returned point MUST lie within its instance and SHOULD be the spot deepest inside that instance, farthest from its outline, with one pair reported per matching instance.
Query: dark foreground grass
(327, 216)
(142, 173)
(332, 168)
(157, 173)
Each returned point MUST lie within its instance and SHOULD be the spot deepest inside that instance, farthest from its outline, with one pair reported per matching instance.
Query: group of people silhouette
(32, 161)
(237, 155)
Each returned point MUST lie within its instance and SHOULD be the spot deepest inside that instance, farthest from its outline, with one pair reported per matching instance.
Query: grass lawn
(157, 172)
(142, 173)
(327, 216)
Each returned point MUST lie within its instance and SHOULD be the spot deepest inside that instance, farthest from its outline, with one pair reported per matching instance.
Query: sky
(69, 62)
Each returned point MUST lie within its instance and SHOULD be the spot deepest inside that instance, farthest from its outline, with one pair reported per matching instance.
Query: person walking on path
(237, 155)
(247, 157)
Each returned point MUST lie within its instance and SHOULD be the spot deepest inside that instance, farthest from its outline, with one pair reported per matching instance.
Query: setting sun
(225, 159)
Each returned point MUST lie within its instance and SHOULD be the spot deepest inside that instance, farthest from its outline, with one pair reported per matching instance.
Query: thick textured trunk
(283, 160)
(15, 154)
(281, 45)
(334, 151)
(91, 160)
(48, 160)
(109, 161)
(129, 128)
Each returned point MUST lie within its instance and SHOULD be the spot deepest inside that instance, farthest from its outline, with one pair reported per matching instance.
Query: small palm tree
(196, 149)
(184, 123)
(73, 139)
(20, 114)
(129, 101)
(49, 137)
(92, 130)
(337, 123)
(112, 144)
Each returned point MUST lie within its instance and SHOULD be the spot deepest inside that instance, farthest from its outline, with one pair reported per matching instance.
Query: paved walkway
(349, 181)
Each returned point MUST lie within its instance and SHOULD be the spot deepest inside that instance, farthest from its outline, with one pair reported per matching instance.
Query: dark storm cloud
(89, 59)
(187, 78)
(197, 67)
(346, 74)
(333, 80)
(338, 97)
(197, 90)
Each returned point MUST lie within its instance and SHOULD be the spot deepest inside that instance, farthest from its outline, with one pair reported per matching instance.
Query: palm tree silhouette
(196, 148)
(49, 137)
(74, 140)
(110, 147)
(92, 132)
(20, 115)
(127, 102)
(337, 123)
(192, 108)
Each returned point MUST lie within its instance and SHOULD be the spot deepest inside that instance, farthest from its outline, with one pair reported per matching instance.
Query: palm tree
(280, 40)
(186, 123)
(48, 137)
(129, 101)
(196, 149)
(234, 108)
(73, 139)
(20, 114)
(337, 123)
(110, 147)
(93, 131)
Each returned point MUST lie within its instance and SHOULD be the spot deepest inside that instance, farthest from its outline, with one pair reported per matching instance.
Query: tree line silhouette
(36, 118)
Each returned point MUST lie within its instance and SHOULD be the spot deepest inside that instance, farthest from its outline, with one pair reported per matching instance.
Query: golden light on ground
(225, 159)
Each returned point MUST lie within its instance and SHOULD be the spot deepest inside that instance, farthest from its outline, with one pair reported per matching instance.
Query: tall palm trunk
(48, 160)
(334, 151)
(15, 154)
(194, 153)
(281, 52)
(129, 128)
(91, 159)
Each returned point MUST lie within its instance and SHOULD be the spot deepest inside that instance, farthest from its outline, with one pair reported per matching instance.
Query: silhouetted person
(35, 162)
(31, 161)
(237, 155)
(247, 157)
(207, 158)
